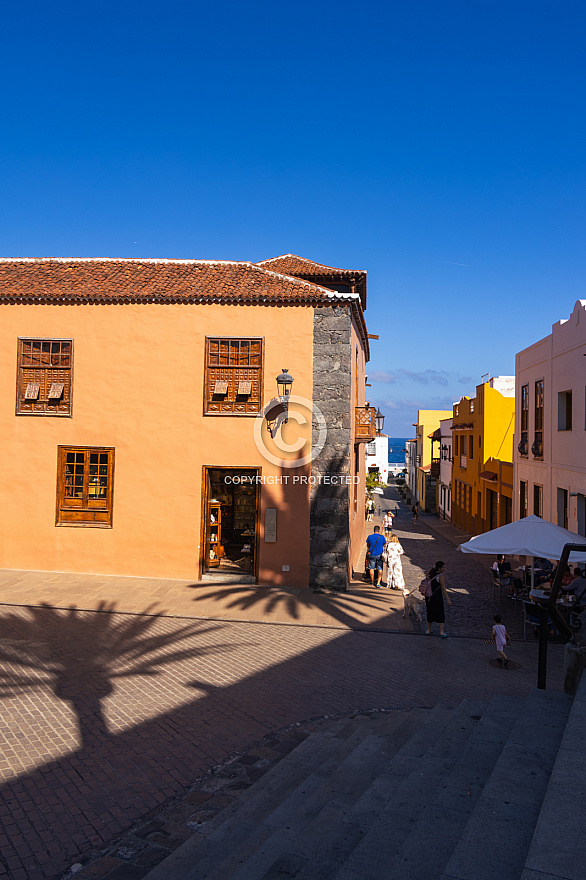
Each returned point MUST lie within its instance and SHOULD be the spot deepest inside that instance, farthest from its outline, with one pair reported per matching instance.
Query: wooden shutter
(44, 379)
(233, 376)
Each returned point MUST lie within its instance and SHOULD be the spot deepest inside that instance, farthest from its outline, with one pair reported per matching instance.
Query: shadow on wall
(328, 543)
(329, 517)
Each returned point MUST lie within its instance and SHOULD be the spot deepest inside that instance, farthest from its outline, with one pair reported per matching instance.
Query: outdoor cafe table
(562, 602)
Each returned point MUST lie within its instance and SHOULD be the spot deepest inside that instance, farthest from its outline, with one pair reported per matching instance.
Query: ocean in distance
(397, 450)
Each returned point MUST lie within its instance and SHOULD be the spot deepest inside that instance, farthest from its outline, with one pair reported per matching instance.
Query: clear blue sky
(438, 144)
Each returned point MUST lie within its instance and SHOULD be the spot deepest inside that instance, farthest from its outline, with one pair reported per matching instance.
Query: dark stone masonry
(330, 504)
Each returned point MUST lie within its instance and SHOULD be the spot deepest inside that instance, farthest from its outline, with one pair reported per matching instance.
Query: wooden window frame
(87, 513)
(539, 404)
(45, 376)
(525, 407)
(228, 404)
(523, 499)
(538, 500)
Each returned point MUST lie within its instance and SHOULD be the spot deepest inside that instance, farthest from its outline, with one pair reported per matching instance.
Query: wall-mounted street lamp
(284, 382)
(380, 421)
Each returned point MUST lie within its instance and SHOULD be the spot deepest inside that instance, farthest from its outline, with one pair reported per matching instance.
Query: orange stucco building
(132, 396)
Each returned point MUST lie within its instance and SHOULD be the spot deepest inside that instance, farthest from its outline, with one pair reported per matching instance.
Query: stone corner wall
(330, 495)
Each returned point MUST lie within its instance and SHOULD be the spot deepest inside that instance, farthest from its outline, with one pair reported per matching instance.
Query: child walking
(501, 638)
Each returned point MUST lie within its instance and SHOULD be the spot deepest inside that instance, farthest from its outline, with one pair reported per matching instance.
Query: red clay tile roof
(79, 280)
(291, 264)
(62, 281)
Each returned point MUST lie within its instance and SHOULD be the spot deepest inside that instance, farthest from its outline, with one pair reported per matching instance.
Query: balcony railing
(537, 447)
(365, 424)
(523, 445)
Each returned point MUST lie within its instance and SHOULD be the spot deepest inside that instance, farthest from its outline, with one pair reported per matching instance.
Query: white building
(445, 477)
(550, 426)
(411, 465)
(377, 457)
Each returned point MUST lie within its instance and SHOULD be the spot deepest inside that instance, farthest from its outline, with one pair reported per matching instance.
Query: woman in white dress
(392, 556)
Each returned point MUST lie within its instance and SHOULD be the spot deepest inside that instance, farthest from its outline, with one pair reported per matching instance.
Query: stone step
(413, 835)
(558, 846)
(297, 846)
(261, 848)
(499, 831)
(338, 830)
(241, 828)
(420, 795)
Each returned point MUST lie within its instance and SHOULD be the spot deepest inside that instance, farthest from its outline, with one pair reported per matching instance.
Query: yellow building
(482, 471)
(427, 422)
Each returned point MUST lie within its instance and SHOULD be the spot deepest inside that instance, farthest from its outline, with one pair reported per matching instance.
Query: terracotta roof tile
(111, 280)
(291, 264)
(105, 280)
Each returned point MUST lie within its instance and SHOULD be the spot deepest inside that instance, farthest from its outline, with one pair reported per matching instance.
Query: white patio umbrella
(530, 536)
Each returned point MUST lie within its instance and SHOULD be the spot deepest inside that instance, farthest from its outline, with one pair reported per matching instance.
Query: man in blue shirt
(375, 545)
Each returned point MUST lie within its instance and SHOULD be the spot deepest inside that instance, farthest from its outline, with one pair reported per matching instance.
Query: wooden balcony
(365, 424)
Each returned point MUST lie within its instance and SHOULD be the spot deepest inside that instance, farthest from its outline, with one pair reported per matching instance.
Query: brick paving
(107, 718)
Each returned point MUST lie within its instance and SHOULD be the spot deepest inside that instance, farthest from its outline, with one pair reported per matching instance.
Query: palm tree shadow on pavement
(80, 655)
(346, 608)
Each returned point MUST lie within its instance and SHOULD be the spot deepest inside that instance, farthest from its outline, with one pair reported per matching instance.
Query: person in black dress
(434, 604)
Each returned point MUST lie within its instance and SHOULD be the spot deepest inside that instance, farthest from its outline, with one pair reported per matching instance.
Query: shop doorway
(230, 521)
(493, 508)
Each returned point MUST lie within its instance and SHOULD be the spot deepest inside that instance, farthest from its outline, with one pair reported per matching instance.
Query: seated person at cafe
(567, 576)
(543, 569)
(578, 587)
(506, 575)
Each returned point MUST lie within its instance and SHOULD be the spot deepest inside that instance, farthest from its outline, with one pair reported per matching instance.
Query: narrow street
(468, 577)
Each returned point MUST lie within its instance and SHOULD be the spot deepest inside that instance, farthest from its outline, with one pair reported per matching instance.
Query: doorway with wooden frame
(230, 521)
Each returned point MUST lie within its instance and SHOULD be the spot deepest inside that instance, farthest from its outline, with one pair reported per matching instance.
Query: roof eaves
(335, 270)
(319, 293)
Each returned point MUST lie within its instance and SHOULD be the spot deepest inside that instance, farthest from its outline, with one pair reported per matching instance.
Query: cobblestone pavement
(108, 718)
(468, 577)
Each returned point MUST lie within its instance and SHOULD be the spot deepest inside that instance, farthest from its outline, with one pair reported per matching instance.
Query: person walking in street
(434, 604)
(501, 638)
(392, 556)
(415, 512)
(388, 523)
(375, 544)
(370, 509)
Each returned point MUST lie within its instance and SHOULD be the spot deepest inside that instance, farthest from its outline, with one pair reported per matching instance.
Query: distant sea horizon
(397, 450)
